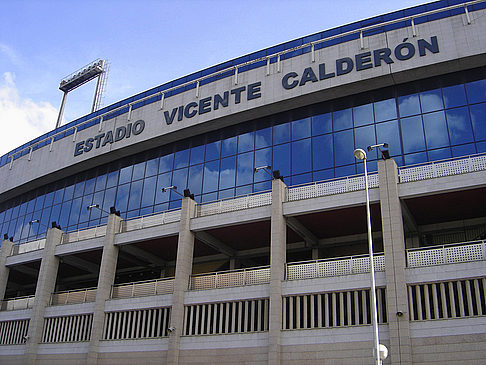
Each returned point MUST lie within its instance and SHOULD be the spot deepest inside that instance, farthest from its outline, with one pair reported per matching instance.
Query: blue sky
(147, 42)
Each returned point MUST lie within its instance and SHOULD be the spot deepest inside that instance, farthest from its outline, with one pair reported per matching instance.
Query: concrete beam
(212, 242)
(26, 270)
(408, 219)
(302, 231)
(143, 255)
(81, 264)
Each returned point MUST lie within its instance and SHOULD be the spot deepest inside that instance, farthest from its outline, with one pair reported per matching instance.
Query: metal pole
(374, 314)
(61, 110)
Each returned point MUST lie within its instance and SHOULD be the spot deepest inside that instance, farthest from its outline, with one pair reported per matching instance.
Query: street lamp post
(360, 154)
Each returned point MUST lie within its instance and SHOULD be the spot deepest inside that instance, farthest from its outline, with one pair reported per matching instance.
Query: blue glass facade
(421, 121)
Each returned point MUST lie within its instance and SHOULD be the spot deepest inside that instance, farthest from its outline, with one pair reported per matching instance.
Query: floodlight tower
(96, 69)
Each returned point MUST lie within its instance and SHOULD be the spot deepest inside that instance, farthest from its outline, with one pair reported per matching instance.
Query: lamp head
(360, 154)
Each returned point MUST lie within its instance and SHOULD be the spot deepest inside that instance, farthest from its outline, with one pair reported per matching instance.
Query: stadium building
(221, 218)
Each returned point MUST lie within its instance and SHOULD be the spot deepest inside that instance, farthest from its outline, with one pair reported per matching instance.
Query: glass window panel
(263, 138)
(412, 134)
(179, 179)
(301, 156)
(263, 157)
(322, 152)
(431, 100)
(89, 187)
(211, 176)
(138, 171)
(175, 204)
(244, 173)
(213, 150)
(23, 209)
(348, 170)
(342, 119)
(161, 207)
(112, 179)
(409, 105)
(100, 182)
(454, 96)
(163, 181)
(321, 123)
(148, 193)
(343, 148)
(181, 159)
(476, 91)
(225, 194)
(460, 128)
(302, 179)
(370, 165)
(323, 175)
(39, 202)
(281, 133)
(243, 190)
(439, 154)
(209, 197)
(246, 142)
(75, 211)
(227, 174)
(147, 210)
(49, 199)
(30, 206)
(389, 132)
(195, 179)
(152, 167)
(415, 158)
(478, 118)
(385, 110)
(58, 196)
(364, 137)
(97, 199)
(281, 159)
(109, 199)
(122, 197)
(301, 128)
(228, 147)
(55, 211)
(363, 114)
(264, 186)
(125, 174)
(436, 130)
(166, 163)
(197, 155)
(464, 150)
(481, 147)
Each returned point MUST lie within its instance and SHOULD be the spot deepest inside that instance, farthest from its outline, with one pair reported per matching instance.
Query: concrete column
(183, 271)
(5, 251)
(46, 283)
(394, 245)
(278, 258)
(106, 279)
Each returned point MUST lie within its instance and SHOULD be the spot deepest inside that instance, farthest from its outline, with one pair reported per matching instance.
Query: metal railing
(254, 200)
(331, 187)
(233, 71)
(84, 234)
(334, 267)
(151, 220)
(28, 247)
(448, 167)
(230, 278)
(446, 254)
(18, 303)
(143, 288)
(73, 296)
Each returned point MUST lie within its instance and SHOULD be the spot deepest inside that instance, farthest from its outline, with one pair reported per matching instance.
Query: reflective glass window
(166, 163)
(100, 182)
(323, 175)
(436, 130)
(89, 187)
(179, 179)
(343, 148)
(476, 91)
(163, 181)
(135, 195)
(364, 137)
(56, 209)
(481, 147)
(125, 174)
(228, 146)
(109, 199)
(431, 100)
(227, 173)
(112, 179)
(454, 96)
(244, 173)
(281, 133)
(301, 128)
(181, 159)
(263, 157)
(342, 171)
(263, 137)
(439, 154)
(39, 202)
(211, 176)
(122, 197)
(478, 118)
(301, 179)
(58, 196)
(301, 156)
(138, 171)
(75, 211)
(152, 167)
(213, 150)
(412, 134)
(281, 159)
(415, 158)
(197, 155)
(246, 142)
(342, 119)
(322, 152)
(195, 179)
(459, 123)
(321, 123)
(388, 132)
(363, 114)
(225, 194)
(409, 105)
(385, 110)
(49, 199)
(464, 150)
(148, 193)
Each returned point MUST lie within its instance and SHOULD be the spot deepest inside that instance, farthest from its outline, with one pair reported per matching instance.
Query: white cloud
(10, 53)
(21, 120)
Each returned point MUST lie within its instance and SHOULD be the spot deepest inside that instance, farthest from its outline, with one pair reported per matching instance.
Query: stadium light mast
(96, 69)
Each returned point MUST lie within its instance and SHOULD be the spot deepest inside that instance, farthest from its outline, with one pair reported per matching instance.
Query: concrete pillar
(5, 251)
(278, 258)
(46, 283)
(183, 271)
(106, 279)
(394, 246)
